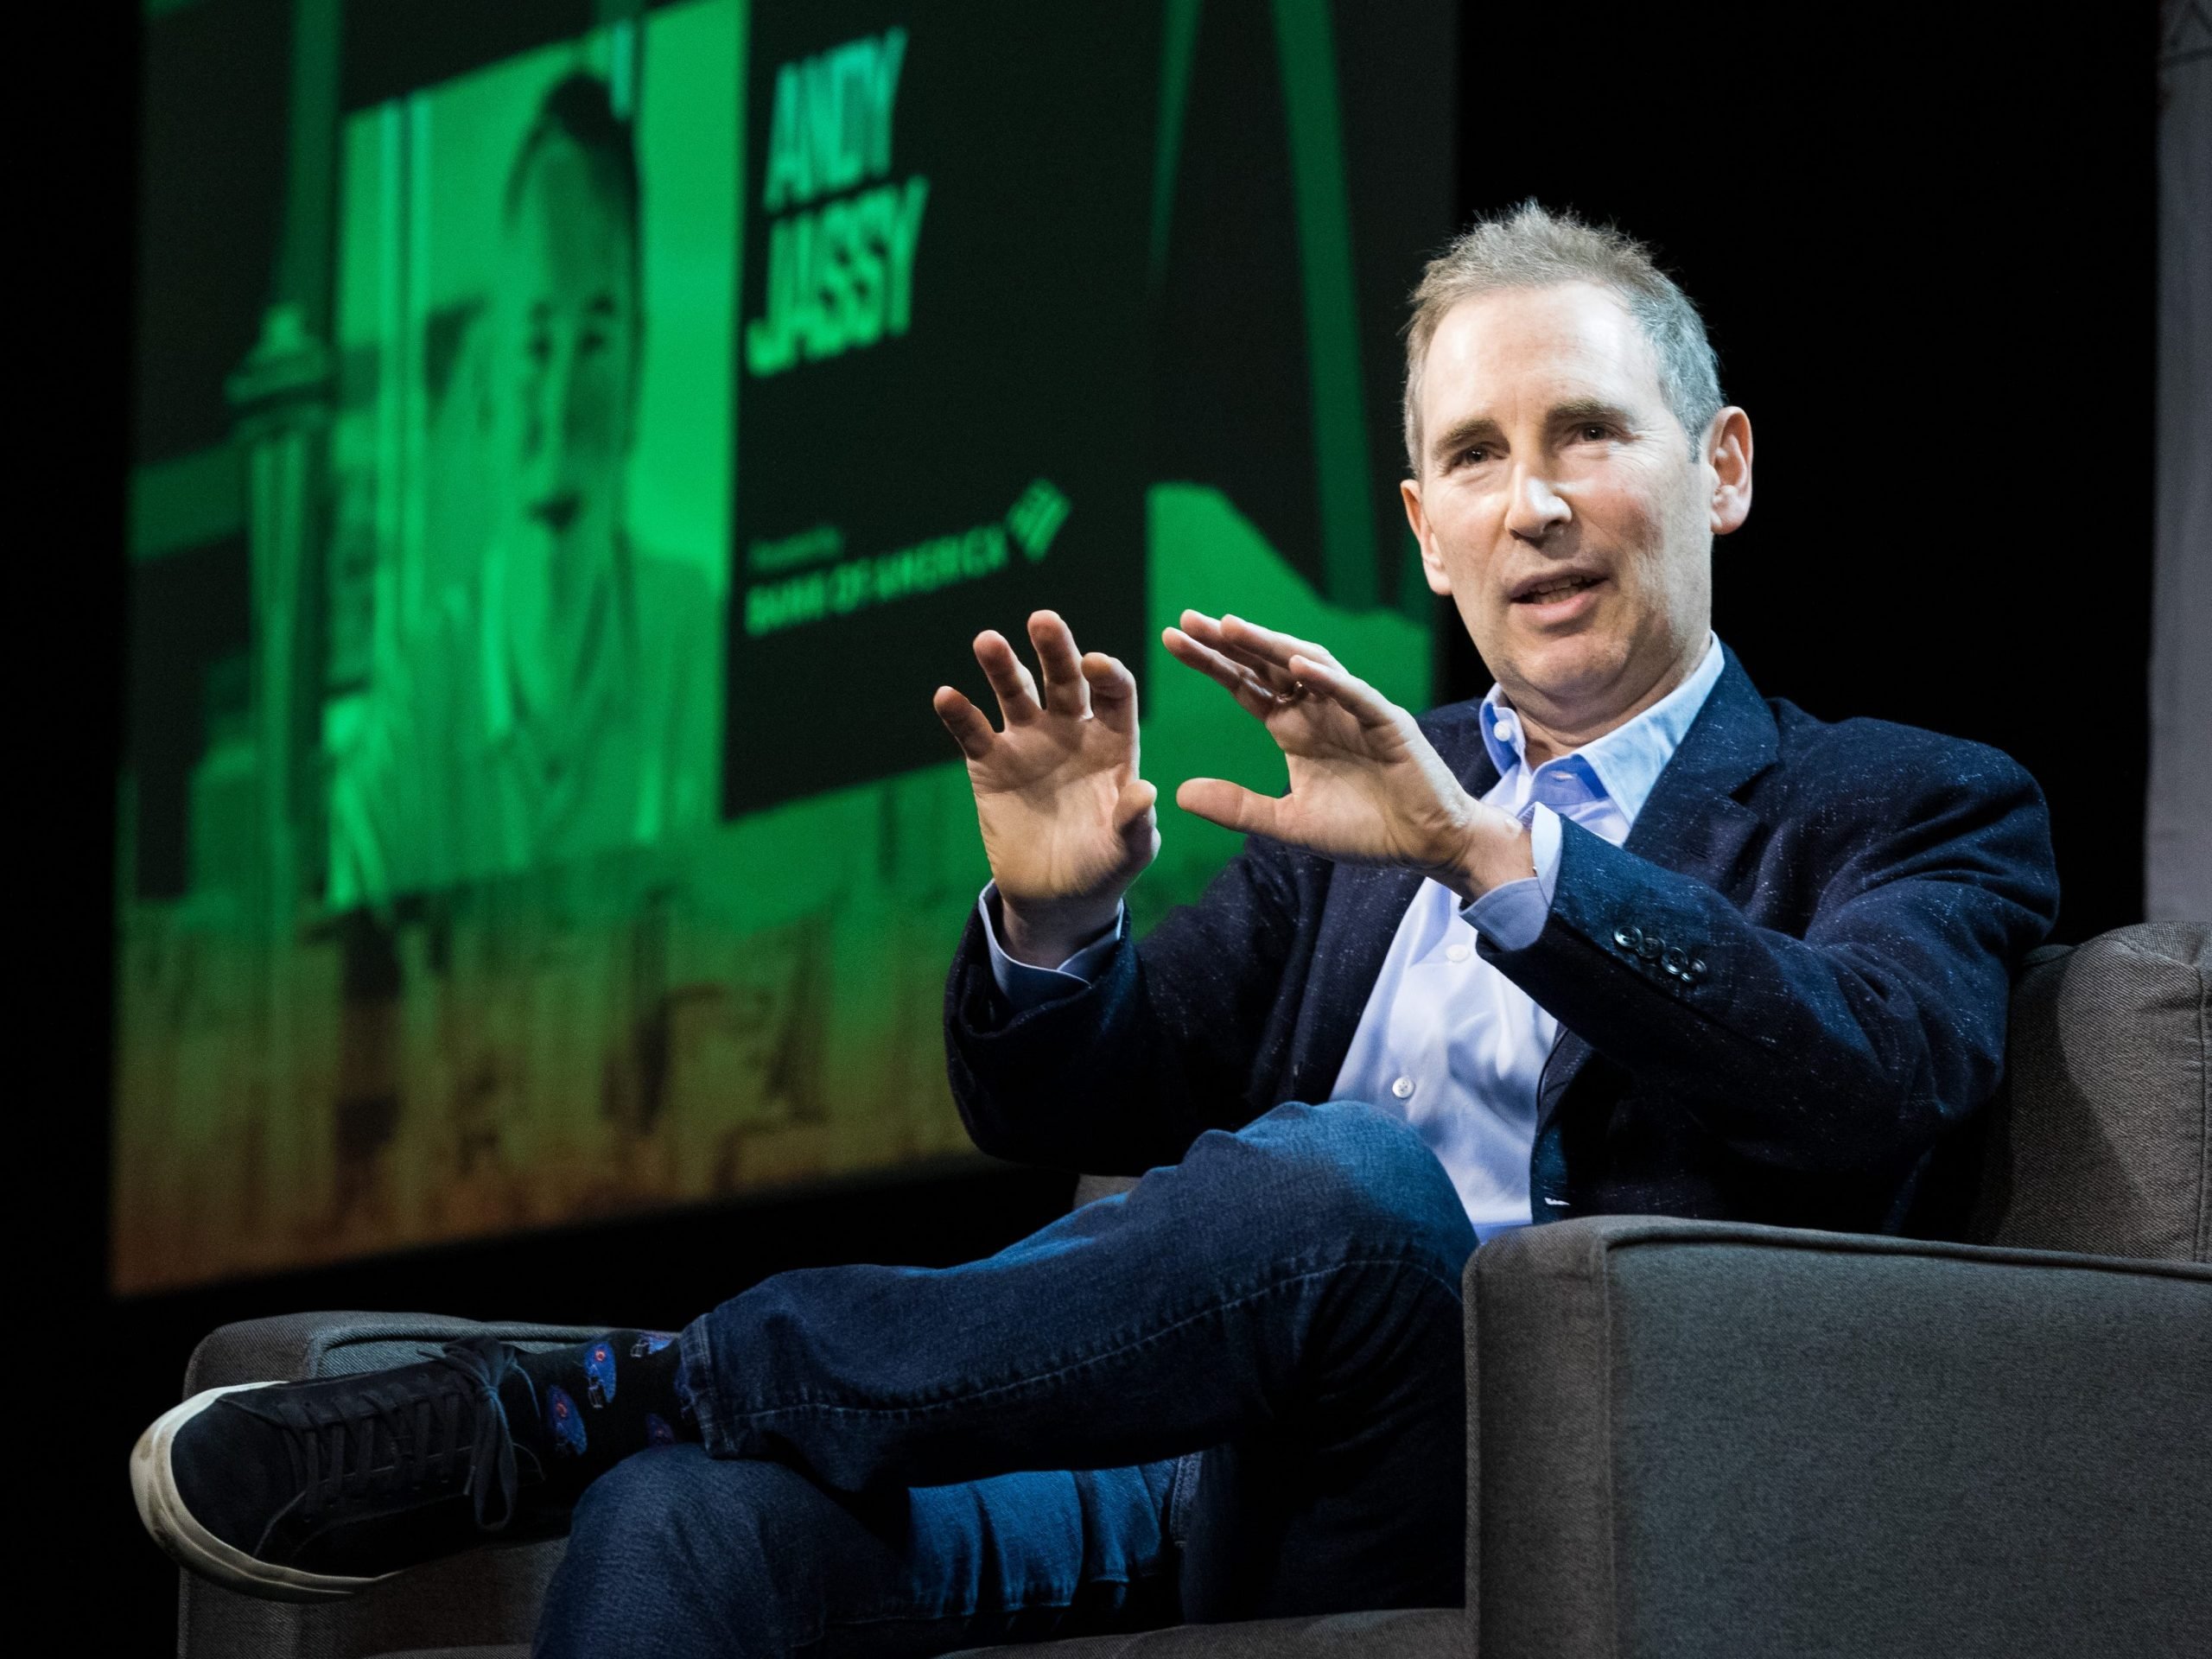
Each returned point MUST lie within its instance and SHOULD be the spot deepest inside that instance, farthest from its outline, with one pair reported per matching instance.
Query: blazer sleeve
(1860, 1041)
(1123, 1075)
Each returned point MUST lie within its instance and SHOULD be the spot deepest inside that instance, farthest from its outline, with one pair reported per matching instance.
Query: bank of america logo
(1037, 518)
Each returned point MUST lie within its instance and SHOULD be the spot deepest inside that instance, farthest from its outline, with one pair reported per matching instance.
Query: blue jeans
(1234, 1392)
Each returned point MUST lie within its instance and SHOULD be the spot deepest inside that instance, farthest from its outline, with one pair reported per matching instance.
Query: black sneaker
(307, 1492)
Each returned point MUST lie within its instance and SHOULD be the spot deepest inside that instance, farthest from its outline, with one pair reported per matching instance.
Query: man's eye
(1475, 456)
(1592, 432)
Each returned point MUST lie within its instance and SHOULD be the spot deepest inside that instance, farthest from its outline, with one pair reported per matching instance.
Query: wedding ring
(1297, 690)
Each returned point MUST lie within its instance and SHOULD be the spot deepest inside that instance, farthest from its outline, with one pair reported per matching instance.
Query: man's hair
(580, 109)
(1529, 247)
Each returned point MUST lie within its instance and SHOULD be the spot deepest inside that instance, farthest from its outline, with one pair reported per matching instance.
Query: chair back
(2102, 1141)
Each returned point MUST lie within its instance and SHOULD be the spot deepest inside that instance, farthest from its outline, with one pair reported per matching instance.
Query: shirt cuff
(1029, 987)
(1510, 917)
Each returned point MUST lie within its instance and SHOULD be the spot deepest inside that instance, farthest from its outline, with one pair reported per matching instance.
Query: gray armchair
(1706, 1439)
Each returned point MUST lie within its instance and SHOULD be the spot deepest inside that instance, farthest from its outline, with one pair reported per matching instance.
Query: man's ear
(1728, 453)
(1431, 565)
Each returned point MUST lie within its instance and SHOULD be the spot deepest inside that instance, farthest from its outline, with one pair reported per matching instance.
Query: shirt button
(1403, 1088)
(1458, 953)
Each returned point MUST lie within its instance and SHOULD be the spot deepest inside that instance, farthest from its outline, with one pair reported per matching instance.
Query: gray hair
(1530, 247)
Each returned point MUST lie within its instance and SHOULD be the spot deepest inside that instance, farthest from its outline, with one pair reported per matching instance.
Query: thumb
(1232, 806)
(1134, 822)
(1134, 804)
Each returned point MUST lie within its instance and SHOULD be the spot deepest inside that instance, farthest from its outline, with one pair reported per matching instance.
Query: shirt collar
(1622, 765)
(612, 668)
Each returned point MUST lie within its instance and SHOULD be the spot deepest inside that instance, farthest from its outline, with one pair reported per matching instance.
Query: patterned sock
(587, 1407)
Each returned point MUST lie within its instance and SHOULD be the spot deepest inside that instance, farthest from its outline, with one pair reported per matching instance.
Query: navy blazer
(1774, 1001)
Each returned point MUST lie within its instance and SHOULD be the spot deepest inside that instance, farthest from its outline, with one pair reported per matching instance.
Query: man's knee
(671, 1527)
(1361, 1173)
(644, 1515)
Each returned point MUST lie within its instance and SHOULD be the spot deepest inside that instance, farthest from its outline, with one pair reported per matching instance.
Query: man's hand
(1067, 823)
(1366, 787)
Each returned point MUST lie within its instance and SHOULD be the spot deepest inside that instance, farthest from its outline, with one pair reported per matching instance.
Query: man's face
(1558, 503)
(564, 363)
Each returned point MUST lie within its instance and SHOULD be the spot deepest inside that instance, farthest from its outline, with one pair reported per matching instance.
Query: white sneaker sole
(153, 1483)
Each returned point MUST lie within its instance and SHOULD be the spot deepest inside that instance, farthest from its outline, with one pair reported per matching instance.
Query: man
(564, 702)
(1620, 937)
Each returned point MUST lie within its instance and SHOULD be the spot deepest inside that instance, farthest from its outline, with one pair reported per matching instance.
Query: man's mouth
(557, 513)
(1554, 588)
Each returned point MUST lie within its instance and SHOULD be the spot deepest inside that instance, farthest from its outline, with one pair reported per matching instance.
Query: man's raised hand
(1366, 786)
(1067, 823)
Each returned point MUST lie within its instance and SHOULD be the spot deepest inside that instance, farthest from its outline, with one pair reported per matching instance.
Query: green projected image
(574, 443)
(530, 459)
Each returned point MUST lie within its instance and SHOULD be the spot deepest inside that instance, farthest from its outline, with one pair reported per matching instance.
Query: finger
(1135, 822)
(1273, 675)
(1275, 646)
(1253, 697)
(1066, 692)
(1276, 676)
(1016, 691)
(1206, 630)
(1113, 691)
(1134, 805)
(1218, 801)
(1366, 704)
(969, 729)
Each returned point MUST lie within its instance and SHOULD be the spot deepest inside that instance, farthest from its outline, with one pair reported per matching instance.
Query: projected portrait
(537, 676)
(571, 452)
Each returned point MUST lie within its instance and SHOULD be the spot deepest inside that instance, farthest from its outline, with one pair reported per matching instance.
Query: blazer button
(1675, 960)
(1628, 938)
(1649, 947)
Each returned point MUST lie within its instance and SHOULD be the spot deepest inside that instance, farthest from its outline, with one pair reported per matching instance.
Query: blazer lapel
(1691, 824)
(1361, 918)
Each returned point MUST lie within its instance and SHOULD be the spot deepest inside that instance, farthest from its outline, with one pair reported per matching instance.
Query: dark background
(1039, 185)
(1924, 237)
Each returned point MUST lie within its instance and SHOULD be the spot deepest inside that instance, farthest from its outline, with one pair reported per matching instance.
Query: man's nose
(561, 387)
(1536, 508)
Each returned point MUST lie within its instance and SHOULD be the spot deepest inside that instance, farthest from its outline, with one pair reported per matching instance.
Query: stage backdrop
(573, 443)
(2177, 862)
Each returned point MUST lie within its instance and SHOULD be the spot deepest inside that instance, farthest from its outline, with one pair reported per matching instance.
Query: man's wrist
(1045, 934)
(1497, 849)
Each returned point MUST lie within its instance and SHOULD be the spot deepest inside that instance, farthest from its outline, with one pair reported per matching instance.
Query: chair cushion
(2102, 1142)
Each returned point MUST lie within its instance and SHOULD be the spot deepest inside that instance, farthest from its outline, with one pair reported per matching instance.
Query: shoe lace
(399, 1431)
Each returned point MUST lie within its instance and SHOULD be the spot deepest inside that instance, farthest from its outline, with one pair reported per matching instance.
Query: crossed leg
(676, 1553)
(1285, 1301)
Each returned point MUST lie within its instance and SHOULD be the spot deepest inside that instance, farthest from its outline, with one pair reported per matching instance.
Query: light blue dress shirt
(1446, 1041)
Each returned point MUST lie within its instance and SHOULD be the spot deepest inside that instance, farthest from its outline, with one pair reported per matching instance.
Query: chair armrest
(293, 1347)
(485, 1603)
(1696, 1437)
